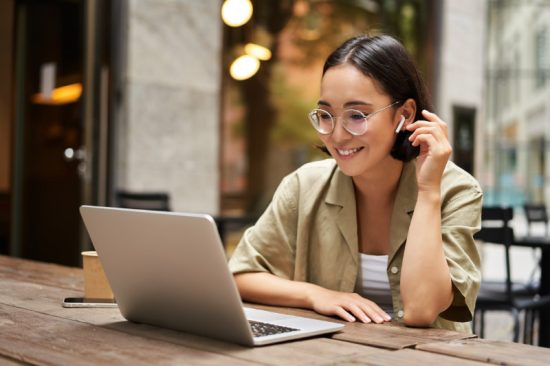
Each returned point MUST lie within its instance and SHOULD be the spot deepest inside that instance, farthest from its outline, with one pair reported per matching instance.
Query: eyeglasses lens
(322, 121)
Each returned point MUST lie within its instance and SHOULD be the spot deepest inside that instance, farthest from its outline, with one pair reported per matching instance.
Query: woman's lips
(348, 153)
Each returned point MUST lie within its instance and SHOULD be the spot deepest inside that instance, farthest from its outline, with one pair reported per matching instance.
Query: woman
(385, 227)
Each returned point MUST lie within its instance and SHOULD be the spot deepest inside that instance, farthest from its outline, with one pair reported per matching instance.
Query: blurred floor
(499, 326)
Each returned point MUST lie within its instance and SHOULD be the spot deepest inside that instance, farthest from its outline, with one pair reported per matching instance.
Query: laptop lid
(169, 269)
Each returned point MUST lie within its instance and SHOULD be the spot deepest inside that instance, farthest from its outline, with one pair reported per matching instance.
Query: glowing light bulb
(236, 12)
(69, 153)
(60, 95)
(260, 52)
(244, 67)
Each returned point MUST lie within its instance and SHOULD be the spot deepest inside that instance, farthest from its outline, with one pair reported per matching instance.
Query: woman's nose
(339, 133)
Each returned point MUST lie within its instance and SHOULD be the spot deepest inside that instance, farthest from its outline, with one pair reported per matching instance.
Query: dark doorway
(48, 129)
(464, 137)
(60, 138)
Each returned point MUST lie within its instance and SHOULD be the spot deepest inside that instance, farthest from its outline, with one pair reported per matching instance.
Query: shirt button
(394, 270)
(400, 314)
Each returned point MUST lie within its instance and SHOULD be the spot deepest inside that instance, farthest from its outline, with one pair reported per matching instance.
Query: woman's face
(345, 87)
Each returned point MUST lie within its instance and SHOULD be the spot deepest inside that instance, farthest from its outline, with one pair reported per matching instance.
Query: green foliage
(292, 125)
(327, 24)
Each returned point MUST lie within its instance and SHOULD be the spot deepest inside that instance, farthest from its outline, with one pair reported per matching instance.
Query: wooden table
(35, 329)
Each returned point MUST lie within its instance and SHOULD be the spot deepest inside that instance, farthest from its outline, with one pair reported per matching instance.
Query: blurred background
(200, 106)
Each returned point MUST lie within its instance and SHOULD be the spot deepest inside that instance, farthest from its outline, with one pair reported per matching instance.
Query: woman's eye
(356, 117)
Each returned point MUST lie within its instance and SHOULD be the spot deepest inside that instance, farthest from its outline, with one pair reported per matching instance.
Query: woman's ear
(408, 110)
(402, 148)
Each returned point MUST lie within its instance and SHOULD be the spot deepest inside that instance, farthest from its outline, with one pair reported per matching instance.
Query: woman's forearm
(426, 288)
(266, 288)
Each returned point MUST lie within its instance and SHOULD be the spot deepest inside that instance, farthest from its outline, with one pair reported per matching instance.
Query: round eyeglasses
(354, 121)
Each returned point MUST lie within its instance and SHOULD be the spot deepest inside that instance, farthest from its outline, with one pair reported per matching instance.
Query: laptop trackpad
(285, 320)
(263, 316)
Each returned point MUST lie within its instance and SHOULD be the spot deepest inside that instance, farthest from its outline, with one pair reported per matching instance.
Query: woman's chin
(349, 169)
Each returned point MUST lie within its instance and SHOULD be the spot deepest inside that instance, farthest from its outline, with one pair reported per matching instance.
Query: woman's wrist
(311, 292)
(431, 195)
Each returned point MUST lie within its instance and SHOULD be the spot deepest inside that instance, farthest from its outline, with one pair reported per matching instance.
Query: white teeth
(348, 152)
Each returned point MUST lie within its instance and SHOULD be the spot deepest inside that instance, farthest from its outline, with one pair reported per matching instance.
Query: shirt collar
(341, 196)
(341, 193)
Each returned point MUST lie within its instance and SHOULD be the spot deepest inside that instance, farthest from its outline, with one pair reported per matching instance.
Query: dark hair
(384, 59)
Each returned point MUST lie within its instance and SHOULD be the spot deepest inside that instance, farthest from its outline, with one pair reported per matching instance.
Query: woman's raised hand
(432, 137)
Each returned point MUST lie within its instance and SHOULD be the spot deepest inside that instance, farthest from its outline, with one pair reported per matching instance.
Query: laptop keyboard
(260, 329)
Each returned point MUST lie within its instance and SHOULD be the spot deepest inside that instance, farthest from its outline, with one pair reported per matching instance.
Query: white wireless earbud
(401, 121)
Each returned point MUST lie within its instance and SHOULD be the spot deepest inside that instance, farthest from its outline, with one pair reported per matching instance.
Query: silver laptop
(169, 269)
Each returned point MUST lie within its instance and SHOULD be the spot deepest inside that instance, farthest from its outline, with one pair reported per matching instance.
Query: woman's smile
(348, 153)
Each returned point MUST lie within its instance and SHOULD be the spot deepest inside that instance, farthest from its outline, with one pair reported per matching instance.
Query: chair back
(157, 201)
(496, 213)
(536, 213)
(495, 229)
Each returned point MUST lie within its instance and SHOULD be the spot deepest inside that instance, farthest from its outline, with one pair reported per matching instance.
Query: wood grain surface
(36, 330)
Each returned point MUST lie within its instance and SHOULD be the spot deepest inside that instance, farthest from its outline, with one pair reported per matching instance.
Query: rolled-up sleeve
(460, 220)
(269, 245)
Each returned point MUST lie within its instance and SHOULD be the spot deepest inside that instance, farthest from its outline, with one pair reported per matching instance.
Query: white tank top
(373, 281)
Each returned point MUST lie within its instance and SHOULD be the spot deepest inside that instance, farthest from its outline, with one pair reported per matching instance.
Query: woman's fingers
(441, 126)
(427, 139)
(363, 311)
(435, 118)
(432, 130)
(385, 316)
(358, 312)
(431, 133)
(371, 310)
(430, 116)
(339, 311)
(348, 306)
(374, 312)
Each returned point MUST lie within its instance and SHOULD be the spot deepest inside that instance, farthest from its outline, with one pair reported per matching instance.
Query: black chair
(536, 215)
(157, 201)
(505, 295)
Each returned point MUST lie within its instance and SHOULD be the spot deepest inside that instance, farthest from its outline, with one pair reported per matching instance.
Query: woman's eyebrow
(356, 102)
(348, 104)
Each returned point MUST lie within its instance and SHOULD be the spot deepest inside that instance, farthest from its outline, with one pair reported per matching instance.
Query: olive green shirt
(309, 233)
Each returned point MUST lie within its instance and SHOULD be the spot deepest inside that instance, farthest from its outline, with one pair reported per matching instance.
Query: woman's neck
(379, 184)
(375, 193)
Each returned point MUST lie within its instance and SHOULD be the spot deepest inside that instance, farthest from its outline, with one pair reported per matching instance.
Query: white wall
(461, 69)
(169, 138)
